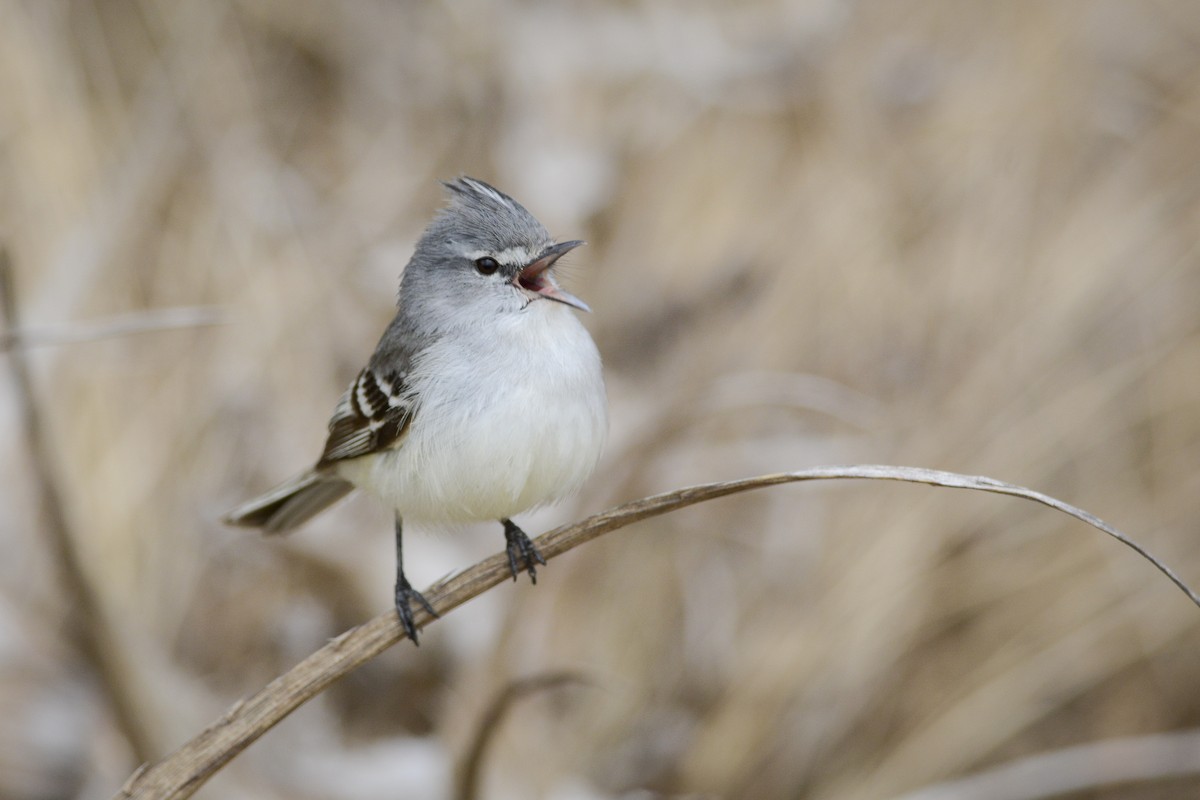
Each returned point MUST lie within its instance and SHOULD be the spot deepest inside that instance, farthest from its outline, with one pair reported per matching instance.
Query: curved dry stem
(470, 772)
(180, 774)
(151, 320)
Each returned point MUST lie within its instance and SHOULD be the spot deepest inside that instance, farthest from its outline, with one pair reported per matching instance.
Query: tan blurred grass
(982, 217)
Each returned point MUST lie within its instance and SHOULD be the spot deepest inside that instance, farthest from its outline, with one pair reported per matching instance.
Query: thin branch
(150, 320)
(96, 641)
(471, 769)
(180, 774)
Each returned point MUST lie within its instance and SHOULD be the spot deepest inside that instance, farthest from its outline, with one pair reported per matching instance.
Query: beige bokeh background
(960, 235)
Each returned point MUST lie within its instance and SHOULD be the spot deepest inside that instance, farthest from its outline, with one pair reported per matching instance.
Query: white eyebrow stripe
(513, 256)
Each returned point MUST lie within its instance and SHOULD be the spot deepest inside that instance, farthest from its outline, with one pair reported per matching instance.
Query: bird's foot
(405, 595)
(521, 552)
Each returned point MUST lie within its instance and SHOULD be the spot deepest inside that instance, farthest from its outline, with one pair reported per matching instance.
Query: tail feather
(291, 503)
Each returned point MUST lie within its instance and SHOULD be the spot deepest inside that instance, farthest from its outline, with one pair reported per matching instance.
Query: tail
(291, 503)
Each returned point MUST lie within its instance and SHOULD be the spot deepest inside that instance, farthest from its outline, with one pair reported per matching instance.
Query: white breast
(506, 420)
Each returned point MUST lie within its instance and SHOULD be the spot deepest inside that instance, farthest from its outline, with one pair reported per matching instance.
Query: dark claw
(521, 552)
(405, 595)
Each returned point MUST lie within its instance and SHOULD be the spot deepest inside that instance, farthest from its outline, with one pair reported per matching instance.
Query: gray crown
(485, 216)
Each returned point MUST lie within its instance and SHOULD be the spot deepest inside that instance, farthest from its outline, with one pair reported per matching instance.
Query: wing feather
(372, 415)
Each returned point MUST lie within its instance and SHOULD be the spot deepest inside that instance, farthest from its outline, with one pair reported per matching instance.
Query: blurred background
(959, 235)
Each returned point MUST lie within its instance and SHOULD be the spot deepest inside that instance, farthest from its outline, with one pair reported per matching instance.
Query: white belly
(504, 423)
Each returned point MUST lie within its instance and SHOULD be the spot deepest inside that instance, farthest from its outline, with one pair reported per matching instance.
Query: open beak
(536, 276)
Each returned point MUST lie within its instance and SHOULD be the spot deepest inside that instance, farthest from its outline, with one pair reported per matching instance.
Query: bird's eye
(486, 265)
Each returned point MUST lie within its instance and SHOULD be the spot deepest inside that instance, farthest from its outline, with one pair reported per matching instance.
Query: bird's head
(483, 253)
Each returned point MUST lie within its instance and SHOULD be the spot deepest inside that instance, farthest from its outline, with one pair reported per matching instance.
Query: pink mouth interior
(531, 283)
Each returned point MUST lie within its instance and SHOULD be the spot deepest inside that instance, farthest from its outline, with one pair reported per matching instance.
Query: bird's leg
(405, 593)
(521, 552)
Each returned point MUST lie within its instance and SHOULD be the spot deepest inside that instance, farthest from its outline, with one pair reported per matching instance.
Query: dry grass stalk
(98, 643)
(187, 769)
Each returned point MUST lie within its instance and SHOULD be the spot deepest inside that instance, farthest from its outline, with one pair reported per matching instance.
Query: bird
(484, 397)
